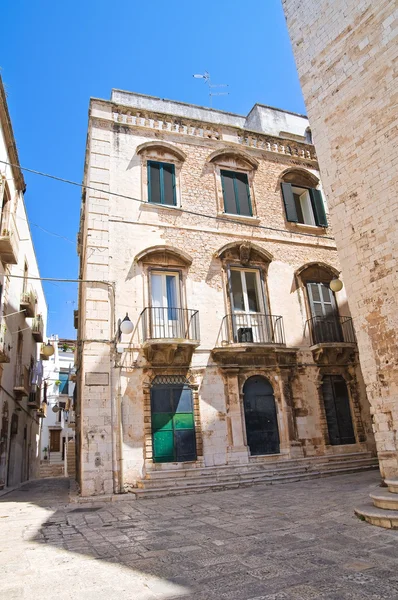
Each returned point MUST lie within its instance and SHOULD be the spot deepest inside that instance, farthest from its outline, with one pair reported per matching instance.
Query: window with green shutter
(161, 183)
(304, 205)
(236, 193)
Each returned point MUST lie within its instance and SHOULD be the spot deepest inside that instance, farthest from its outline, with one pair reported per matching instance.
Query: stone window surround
(232, 160)
(305, 178)
(150, 465)
(303, 275)
(161, 152)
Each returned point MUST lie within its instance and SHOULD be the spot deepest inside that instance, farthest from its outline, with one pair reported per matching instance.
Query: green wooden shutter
(290, 206)
(319, 208)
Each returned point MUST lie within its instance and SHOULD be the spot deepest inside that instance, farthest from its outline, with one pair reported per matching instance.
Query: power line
(183, 210)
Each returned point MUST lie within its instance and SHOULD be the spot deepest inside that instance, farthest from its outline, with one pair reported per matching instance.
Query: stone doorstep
(385, 499)
(392, 485)
(157, 492)
(377, 516)
(279, 466)
(260, 475)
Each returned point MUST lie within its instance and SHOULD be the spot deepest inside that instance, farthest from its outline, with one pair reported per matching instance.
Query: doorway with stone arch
(262, 432)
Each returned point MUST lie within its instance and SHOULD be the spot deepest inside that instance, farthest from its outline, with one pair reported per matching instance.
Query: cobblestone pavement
(297, 541)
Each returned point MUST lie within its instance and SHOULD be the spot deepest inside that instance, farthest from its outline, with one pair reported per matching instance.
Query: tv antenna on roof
(206, 77)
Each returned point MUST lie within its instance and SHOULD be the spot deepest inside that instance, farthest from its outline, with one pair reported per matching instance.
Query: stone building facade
(23, 318)
(347, 55)
(210, 230)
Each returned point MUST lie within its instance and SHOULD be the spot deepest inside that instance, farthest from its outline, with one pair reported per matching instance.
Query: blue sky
(55, 55)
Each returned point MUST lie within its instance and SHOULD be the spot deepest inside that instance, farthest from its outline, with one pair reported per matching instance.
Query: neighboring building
(347, 56)
(243, 364)
(23, 318)
(58, 429)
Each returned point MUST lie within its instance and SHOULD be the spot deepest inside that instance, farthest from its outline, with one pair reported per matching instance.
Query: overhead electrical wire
(181, 210)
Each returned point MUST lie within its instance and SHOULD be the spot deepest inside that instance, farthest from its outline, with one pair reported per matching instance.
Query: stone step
(221, 477)
(385, 499)
(204, 486)
(377, 516)
(159, 472)
(392, 485)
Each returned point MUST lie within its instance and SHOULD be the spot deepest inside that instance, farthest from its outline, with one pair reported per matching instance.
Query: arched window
(303, 201)
(234, 173)
(161, 167)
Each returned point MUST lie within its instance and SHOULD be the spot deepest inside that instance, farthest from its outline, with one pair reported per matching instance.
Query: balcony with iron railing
(22, 381)
(331, 329)
(28, 302)
(38, 328)
(251, 328)
(332, 339)
(9, 242)
(165, 330)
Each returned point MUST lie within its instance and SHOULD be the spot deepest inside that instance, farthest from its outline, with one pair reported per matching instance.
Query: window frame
(315, 195)
(236, 194)
(151, 161)
(260, 290)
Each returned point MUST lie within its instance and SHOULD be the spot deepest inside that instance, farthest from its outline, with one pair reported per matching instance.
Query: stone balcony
(169, 335)
(332, 339)
(9, 243)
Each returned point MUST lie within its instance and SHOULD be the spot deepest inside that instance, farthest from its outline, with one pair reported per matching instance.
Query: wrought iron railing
(169, 323)
(22, 378)
(38, 326)
(331, 329)
(251, 328)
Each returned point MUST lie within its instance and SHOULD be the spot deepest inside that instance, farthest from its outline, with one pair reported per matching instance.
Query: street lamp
(48, 349)
(126, 326)
(336, 285)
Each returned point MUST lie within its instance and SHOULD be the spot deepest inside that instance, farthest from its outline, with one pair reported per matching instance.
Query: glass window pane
(237, 292)
(168, 184)
(326, 294)
(182, 398)
(315, 292)
(229, 192)
(172, 300)
(242, 188)
(156, 290)
(154, 181)
(252, 295)
(161, 400)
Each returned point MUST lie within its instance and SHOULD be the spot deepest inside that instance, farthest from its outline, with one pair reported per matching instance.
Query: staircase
(51, 469)
(383, 510)
(71, 458)
(173, 482)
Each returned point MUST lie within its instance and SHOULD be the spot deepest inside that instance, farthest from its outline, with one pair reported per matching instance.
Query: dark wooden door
(173, 427)
(337, 409)
(55, 440)
(260, 417)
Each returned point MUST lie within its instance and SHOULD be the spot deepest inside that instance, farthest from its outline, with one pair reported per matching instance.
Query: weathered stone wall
(116, 229)
(347, 54)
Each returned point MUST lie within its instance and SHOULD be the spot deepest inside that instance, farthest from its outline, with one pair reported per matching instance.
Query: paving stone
(297, 541)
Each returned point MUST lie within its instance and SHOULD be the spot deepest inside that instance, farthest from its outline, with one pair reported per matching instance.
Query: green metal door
(173, 427)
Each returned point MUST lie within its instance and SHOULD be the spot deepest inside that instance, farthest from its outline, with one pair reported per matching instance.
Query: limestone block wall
(346, 54)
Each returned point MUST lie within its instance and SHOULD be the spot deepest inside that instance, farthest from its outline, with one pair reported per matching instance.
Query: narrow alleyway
(297, 541)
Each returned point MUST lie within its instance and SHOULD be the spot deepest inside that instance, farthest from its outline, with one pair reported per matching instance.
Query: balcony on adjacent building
(38, 328)
(251, 328)
(28, 303)
(22, 381)
(167, 331)
(9, 243)
(34, 399)
(332, 339)
(4, 346)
